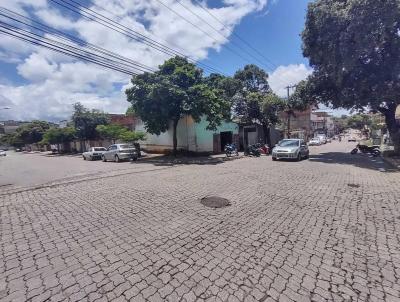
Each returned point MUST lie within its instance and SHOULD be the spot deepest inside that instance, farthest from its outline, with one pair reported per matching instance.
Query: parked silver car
(290, 149)
(3, 153)
(94, 153)
(119, 152)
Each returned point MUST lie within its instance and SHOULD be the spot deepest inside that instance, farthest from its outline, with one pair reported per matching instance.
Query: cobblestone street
(324, 229)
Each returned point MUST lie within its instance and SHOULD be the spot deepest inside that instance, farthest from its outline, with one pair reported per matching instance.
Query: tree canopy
(177, 89)
(31, 133)
(115, 132)
(58, 135)
(353, 47)
(254, 101)
(85, 121)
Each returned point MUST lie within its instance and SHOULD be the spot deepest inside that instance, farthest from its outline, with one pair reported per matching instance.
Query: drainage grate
(353, 185)
(215, 202)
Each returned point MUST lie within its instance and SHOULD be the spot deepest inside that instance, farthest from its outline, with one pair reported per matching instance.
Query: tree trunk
(392, 125)
(174, 138)
(267, 135)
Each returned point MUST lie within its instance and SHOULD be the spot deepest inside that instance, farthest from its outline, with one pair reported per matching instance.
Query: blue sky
(275, 32)
(37, 83)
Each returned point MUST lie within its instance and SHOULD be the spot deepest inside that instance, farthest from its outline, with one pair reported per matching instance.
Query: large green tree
(253, 99)
(32, 132)
(353, 47)
(176, 89)
(85, 122)
(58, 136)
(11, 139)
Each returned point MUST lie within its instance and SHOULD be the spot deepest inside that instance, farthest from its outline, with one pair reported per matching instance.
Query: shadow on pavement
(359, 160)
(167, 160)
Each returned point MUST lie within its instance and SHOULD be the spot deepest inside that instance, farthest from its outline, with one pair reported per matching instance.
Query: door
(111, 152)
(216, 143)
(303, 149)
(226, 138)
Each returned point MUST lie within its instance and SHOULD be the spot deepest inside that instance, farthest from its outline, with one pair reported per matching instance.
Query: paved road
(326, 229)
(27, 169)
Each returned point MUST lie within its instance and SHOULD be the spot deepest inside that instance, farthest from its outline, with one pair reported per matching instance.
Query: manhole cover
(353, 185)
(215, 202)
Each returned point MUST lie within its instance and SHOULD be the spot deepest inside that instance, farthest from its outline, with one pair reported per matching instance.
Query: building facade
(192, 137)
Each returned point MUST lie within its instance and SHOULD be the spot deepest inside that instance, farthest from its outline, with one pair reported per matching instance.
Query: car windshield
(289, 143)
(126, 146)
(99, 149)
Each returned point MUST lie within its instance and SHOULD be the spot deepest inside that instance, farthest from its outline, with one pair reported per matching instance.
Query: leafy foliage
(115, 132)
(175, 90)
(353, 47)
(12, 139)
(111, 131)
(58, 135)
(85, 121)
(254, 101)
(31, 133)
(131, 136)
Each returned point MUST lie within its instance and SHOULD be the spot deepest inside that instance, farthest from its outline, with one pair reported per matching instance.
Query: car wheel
(273, 158)
(299, 157)
(84, 158)
(103, 158)
(117, 160)
(135, 158)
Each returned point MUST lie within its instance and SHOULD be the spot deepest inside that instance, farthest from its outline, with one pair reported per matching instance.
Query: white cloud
(55, 82)
(289, 75)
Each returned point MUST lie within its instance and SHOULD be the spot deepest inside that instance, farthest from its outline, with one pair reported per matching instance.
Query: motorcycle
(252, 150)
(230, 149)
(374, 150)
(264, 149)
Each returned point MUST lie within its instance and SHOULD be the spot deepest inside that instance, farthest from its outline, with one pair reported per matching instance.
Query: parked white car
(3, 153)
(314, 142)
(94, 153)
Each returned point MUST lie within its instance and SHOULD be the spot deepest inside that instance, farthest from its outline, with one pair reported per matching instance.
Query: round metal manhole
(215, 202)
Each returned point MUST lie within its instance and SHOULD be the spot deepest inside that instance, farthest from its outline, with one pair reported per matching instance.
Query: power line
(63, 48)
(219, 31)
(69, 38)
(200, 29)
(235, 34)
(94, 16)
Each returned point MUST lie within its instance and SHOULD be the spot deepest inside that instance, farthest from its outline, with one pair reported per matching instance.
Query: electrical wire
(94, 16)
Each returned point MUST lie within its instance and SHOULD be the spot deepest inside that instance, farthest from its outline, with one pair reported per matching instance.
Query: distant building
(127, 121)
(322, 123)
(9, 127)
(300, 124)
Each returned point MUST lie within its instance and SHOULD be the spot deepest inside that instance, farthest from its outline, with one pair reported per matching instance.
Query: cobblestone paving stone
(293, 232)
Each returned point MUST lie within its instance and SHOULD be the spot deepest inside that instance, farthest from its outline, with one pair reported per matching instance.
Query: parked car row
(319, 139)
(116, 152)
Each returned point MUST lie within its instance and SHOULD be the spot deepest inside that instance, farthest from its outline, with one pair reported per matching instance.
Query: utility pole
(289, 110)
